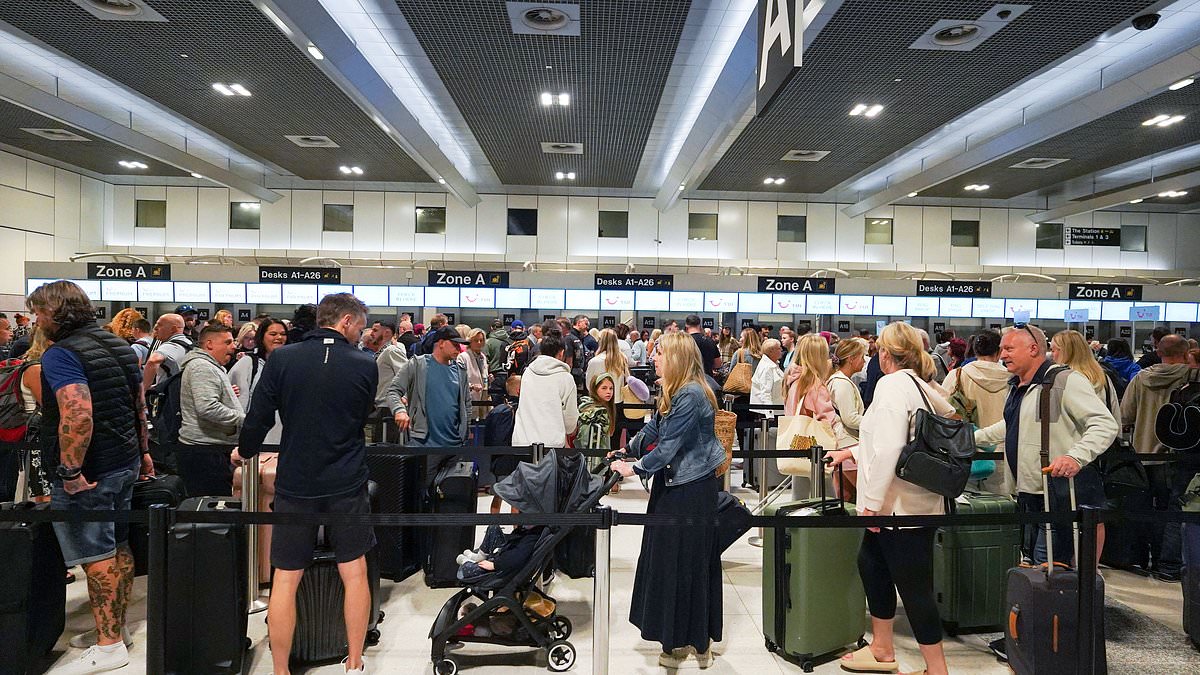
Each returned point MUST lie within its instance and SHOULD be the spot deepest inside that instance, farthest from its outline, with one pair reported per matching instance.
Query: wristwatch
(68, 474)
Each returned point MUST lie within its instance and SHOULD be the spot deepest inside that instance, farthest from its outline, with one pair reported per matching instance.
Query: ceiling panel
(1106, 142)
(614, 71)
(227, 41)
(862, 56)
(94, 154)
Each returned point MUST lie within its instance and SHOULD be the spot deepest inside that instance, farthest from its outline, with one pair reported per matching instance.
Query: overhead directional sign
(643, 282)
(780, 47)
(1147, 313)
(1094, 236)
(468, 279)
(955, 289)
(1105, 292)
(300, 275)
(1075, 316)
(136, 272)
(796, 285)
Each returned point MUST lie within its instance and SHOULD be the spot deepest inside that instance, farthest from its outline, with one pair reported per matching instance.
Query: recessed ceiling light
(314, 52)
(570, 175)
(344, 169)
(276, 20)
(768, 181)
(558, 175)
(1135, 201)
(547, 98)
(912, 194)
(133, 164)
(221, 87)
(240, 89)
(564, 99)
(196, 175)
(681, 186)
(1174, 119)
(977, 188)
(1182, 83)
(183, 56)
(442, 181)
(356, 170)
(873, 110)
(858, 110)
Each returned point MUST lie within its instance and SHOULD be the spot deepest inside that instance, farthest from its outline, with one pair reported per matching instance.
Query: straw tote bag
(800, 433)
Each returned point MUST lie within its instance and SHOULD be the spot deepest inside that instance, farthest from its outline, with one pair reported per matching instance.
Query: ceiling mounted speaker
(543, 18)
(120, 10)
(312, 141)
(56, 134)
(562, 148)
(1039, 163)
(964, 35)
(805, 155)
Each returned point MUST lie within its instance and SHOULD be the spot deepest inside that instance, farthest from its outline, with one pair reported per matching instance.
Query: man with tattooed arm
(95, 426)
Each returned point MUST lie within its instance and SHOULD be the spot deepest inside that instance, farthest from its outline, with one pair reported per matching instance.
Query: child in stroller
(498, 555)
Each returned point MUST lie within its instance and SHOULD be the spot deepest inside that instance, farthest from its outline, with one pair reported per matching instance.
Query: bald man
(172, 346)
(1149, 390)
(1080, 431)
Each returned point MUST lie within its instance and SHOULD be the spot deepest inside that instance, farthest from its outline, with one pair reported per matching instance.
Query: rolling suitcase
(969, 564)
(165, 489)
(1191, 581)
(206, 596)
(399, 477)
(1043, 610)
(813, 599)
(452, 491)
(320, 634)
(33, 591)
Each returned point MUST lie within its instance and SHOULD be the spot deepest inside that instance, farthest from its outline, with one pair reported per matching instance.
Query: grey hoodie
(1147, 392)
(409, 384)
(985, 383)
(212, 414)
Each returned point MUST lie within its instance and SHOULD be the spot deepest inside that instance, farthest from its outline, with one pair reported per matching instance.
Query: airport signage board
(1093, 236)
(780, 47)
(955, 289)
(300, 275)
(796, 285)
(641, 282)
(1105, 292)
(131, 271)
(648, 322)
(709, 323)
(468, 279)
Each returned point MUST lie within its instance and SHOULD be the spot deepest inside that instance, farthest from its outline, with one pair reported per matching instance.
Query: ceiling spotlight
(977, 188)
(357, 171)
(315, 53)
(1174, 119)
(858, 110)
(1182, 83)
(558, 175)
(196, 175)
(240, 89)
(570, 175)
(442, 181)
(873, 111)
(344, 169)
(681, 187)
(564, 99)
(1136, 201)
(547, 98)
(224, 89)
(912, 194)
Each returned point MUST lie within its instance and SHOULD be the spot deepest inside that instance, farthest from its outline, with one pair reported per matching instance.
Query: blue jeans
(84, 542)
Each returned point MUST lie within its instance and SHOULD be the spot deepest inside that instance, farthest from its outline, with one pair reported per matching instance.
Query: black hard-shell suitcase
(206, 594)
(33, 595)
(452, 491)
(399, 477)
(164, 489)
(734, 520)
(1191, 581)
(1041, 635)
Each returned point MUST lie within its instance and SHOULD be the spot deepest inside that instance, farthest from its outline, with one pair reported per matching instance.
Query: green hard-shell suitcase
(813, 600)
(971, 563)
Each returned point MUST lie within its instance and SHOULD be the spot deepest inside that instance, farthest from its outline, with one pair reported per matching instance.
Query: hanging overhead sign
(300, 275)
(1105, 292)
(468, 279)
(955, 289)
(1093, 236)
(644, 282)
(780, 47)
(796, 285)
(145, 272)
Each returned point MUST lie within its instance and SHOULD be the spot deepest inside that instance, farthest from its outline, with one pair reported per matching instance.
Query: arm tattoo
(75, 423)
(142, 430)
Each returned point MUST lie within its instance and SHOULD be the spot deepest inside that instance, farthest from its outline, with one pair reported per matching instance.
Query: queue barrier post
(601, 619)
(250, 505)
(1086, 569)
(156, 597)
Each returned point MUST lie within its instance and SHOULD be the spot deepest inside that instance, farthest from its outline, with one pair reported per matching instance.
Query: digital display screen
(372, 296)
(1116, 310)
(890, 305)
(191, 291)
(406, 296)
(787, 303)
(683, 301)
(988, 308)
(585, 300)
(1052, 309)
(720, 302)
(118, 290)
(441, 297)
(754, 303)
(546, 298)
(299, 294)
(484, 298)
(616, 301)
(857, 305)
(1013, 305)
(955, 308)
(1181, 311)
(228, 293)
(332, 289)
(512, 298)
(923, 307)
(822, 304)
(264, 294)
(156, 291)
(653, 301)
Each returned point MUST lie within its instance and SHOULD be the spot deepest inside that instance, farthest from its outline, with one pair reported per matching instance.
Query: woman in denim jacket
(677, 588)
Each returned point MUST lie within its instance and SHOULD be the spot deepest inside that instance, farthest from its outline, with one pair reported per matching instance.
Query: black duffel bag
(938, 457)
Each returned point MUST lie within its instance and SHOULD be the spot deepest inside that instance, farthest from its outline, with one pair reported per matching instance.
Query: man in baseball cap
(189, 314)
(429, 396)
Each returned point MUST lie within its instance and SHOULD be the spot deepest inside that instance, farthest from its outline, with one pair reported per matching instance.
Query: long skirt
(677, 588)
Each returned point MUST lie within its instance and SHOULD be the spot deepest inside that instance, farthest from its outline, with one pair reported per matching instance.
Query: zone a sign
(468, 279)
(1105, 292)
(132, 272)
(780, 47)
(795, 285)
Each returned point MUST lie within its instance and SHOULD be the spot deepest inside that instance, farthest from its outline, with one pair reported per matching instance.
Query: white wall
(46, 213)
(384, 228)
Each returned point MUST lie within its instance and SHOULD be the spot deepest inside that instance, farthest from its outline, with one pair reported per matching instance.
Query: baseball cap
(448, 333)
(517, 324)
(184, 310)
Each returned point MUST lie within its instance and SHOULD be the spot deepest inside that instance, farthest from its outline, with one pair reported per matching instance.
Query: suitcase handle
(1013, 614)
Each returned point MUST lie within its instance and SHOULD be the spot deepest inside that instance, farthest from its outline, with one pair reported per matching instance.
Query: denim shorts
(82, 542)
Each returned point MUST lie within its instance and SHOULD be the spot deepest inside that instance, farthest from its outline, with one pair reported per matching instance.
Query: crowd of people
(109, 405)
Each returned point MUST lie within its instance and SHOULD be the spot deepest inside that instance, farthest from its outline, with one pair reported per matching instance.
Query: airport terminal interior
(825, 166)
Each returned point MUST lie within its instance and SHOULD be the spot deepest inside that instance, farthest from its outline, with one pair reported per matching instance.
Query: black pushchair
(559, 483)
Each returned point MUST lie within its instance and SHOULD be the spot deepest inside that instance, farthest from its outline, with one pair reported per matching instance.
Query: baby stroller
(556, 484)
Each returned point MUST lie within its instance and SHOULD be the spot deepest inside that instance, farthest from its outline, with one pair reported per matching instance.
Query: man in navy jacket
(323, 389)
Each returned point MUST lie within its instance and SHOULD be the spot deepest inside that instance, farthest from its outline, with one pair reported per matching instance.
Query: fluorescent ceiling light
(133, 164)
(912, 194)
(681, 186)
(1173, 193)
(240, 89)
(768, 181)
(1182, 83)
(315, 53)
(221, 87)
(249, 206)
(344, 169)
(1155, 120)
(873, 110)
(547, 98)
(1174, 119)
(564, 99)
(196, 175)
(977, 188)
(276, 20)
(1135, 201)
(442, 181)
(858, 110)
(357, 170)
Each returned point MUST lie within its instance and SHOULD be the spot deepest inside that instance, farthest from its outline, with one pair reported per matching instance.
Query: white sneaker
(356, 671)
(87, 639)
(95, 660)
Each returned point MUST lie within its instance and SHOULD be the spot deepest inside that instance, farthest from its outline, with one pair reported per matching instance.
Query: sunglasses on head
(1025, 327)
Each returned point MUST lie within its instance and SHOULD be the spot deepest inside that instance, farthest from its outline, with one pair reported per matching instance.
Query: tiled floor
(411, 608)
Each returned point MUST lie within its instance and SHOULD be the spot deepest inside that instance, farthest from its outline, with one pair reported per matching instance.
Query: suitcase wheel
(772, 647)
(560, 656)
(446, 666)
(373, 636)
(806, 666)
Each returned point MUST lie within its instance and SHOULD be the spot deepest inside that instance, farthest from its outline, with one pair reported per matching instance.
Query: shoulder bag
(740, 376)
(938, 457)
(800, 433)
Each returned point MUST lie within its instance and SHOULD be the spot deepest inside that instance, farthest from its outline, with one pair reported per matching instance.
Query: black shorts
(292, 546)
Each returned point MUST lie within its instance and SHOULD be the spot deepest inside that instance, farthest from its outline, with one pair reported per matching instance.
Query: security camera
(1145, 21)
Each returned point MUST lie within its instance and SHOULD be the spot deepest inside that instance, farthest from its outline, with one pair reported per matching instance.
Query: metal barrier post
(1085, 566)
(601, 620)
(250, 505)
(765, 430)
(728, 479)
(156, 587)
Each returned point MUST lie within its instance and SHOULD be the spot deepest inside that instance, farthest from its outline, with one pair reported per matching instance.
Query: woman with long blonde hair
(805, 393)
(608, 359)
(684, 615)
(652, 354)
(1069, 348)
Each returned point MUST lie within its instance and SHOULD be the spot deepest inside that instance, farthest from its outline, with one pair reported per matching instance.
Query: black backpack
(1177, 424)
(1119, 382)
(166, 412)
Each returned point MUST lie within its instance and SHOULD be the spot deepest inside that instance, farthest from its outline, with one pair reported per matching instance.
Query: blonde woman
(848, 359)
(246, 338)
(608, 359)
(897, 559)
(684, 613)
(1068, 348)
(751, 349)
(475, 363)
(652, 347)
(224, 317)
(805, 394)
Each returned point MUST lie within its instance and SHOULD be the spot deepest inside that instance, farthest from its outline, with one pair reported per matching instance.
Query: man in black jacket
(323, 389)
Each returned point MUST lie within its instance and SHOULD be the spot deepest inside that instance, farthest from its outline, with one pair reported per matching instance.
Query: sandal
(863, 661)
(70, 577)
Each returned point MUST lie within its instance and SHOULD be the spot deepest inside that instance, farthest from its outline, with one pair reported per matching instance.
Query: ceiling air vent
(959, 35)
(56, 134)
(543, 18)
(312, 141)
(1039, 163)
(120, 10)
(805, 155)
(562, 148)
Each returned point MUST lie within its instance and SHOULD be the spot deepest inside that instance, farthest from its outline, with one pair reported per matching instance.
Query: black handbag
(1122, 471)
(938, 458)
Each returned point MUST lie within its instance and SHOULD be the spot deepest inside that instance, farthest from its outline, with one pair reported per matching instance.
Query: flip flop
(863, 661)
